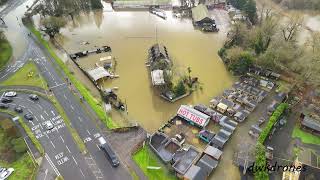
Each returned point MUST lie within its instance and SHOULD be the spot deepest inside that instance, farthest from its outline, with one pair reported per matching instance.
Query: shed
(207, 164)
(157, 77)
(222, 107)
(193, 116)
(311, 124)
(98, 73)
(213, 152)
(200, 15)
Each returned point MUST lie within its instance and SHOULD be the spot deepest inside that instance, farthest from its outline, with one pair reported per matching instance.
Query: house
(194, 173)
(222, 107)
(207, 164)
(200, 16)
(159, 58)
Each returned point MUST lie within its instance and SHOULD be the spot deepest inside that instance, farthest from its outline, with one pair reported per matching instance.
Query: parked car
(34, 97)
(4, 106)
(28, 116)
(18, 109)
(110, 154)
(6, 100)
(6, 174)
(48, 125)
(10, 94)
(2, 169)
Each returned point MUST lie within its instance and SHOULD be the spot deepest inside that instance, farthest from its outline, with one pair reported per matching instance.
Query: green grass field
(5, 53)
(144, 158)
(305, 137)
(28, 75)
(24, 168)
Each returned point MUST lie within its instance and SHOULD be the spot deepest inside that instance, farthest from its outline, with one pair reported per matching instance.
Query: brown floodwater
(130, 34)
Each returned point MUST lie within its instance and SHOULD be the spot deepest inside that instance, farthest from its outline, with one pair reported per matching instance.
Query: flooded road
(130, 34)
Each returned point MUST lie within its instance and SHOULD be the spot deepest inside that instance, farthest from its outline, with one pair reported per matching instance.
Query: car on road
(4, 106)
(34, 97)
(111, 155)
(10, 94)
(28, 116)
(48, 125)
(6, 174)
(18, 109)
(6, 100)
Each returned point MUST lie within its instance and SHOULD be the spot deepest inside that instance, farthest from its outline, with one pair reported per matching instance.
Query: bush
(260, 162)
(180, 89)
(241, 63)
(19, 145)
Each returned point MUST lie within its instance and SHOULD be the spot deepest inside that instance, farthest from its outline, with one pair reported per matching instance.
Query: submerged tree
(53, 25)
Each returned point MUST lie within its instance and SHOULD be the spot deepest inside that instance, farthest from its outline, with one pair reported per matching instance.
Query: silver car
(48, 125)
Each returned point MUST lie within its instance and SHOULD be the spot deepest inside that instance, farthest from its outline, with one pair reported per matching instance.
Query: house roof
(207, 164)
(222, 106)
(194, 173)
(199, 13)
(213, 152)
(185, 160)
(98, 73)
(311, 123)
(157, 77)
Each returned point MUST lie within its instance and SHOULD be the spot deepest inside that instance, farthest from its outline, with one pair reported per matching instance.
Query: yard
(6, 52)
(304, 136)
(146, 158)
(28, 75)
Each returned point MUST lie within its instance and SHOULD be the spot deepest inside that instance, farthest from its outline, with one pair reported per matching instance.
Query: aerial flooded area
(130, 34)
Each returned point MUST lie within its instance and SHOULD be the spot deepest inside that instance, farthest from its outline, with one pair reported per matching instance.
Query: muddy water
(130, 34)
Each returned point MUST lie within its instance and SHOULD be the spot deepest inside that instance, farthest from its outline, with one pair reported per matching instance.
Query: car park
(18, 109)
(28, 116)
(10, 94)
(48, 125)
(6, 100)
(34, 97)
(5, 174)
(4, 106)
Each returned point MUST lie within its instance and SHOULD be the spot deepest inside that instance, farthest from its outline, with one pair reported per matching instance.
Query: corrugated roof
(311, 123)
(214, 152)
(199, 12)
(98, 73)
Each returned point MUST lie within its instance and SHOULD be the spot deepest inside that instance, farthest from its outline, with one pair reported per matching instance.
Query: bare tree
(291, 27)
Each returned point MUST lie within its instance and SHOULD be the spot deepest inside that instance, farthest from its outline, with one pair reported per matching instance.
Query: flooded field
(130, 34)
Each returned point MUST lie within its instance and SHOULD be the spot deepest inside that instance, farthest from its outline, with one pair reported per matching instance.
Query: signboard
(193, 115)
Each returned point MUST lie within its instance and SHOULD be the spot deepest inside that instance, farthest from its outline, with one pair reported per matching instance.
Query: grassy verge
(144, 158)
(28, 131)
(92, 101)
(305, 137)
(23, 168)
(28, 75)
(5, 52)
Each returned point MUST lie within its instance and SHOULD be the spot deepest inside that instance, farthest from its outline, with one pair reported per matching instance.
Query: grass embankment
(305, 137)
(24, 168)
(5, 52)
(144, 158)
(28, 75)
(92, 101)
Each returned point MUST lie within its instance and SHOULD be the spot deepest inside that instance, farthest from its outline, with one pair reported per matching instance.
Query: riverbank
(5, 53)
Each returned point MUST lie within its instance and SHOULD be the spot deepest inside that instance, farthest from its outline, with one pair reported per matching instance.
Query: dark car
(6, 100)
(33, 97)
(18, 109)
(4, 106)
(28, 116)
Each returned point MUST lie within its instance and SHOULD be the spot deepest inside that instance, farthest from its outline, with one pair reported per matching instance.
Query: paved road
(60, 150)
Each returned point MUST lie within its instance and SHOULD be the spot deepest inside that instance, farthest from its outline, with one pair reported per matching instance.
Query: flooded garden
(130, 34)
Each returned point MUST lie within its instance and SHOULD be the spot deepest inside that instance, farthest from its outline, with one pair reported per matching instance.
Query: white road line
(42, 117)
(22, 106)
(88, 132)
(72, 107)
(52, 144)
(62, 139)
(45, 174)
(30, 111)
(36, 118)
(79, 118)
(98, 146)
(81, 173)
(68, 149)
(46, 112)
(39, 106)
(74, 160)
(2, 95)
(57, 85)
(65, 96)
(31, 123)
(52, 113)
(52, 165)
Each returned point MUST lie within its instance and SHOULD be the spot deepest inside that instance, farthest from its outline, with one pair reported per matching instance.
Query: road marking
(30, 100)
(46, 173)
(79, 118)
(88, 132)
(30, 111)
(81, 172)
(65, 96)
(46, 112)
(62, 139)
(52, 112)
(52, 165)
(36, 118)
(42, 117)
(52, 144)
(98, 146)
(57, 85)
(2, 95)
(68, 149)
(72, 107)
(31, 123)
(39, 106)
(74, 160)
